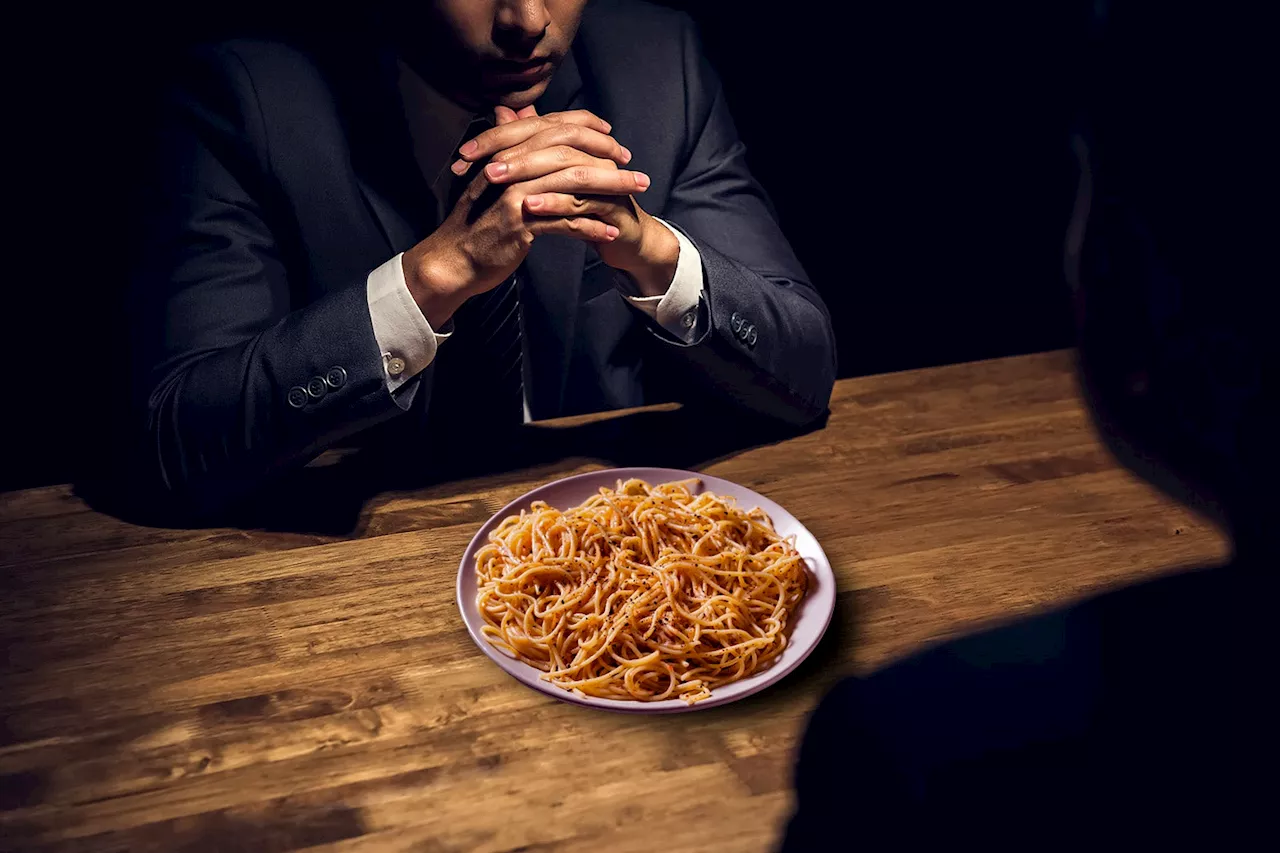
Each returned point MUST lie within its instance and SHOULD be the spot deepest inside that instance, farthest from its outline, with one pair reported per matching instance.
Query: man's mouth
(530, 71)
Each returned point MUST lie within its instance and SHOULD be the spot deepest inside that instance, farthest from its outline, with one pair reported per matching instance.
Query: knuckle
(579, 204)
(563, 153)
(544, 139)
(580, 174)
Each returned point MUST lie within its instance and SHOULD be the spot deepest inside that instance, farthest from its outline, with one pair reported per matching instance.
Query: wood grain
(274, 689)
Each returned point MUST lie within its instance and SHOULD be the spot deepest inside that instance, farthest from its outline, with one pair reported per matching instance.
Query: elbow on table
(152, 473)
(819, 372)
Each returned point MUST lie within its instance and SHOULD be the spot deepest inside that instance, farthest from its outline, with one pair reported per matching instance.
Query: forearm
(767, 347)
(223, 423)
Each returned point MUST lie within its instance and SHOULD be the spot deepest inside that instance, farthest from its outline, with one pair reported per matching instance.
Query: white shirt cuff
(677, 309)
(405, 338)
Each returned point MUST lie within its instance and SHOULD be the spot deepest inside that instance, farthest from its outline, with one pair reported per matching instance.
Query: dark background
(917, 153)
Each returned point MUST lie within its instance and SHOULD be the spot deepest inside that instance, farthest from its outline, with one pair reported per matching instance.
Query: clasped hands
(553, 174)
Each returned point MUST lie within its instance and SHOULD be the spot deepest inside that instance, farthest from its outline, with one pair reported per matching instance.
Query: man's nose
(520, 23)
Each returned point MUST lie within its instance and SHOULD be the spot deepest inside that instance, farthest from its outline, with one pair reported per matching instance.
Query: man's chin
(522, 98)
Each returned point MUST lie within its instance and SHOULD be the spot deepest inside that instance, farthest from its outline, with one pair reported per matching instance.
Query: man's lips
(523, 71)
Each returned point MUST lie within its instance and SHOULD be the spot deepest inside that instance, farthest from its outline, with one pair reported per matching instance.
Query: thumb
(503, 115)
(528, 112)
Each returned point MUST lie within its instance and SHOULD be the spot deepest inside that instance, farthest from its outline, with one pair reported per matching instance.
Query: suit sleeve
(234, 378)
(768, 347)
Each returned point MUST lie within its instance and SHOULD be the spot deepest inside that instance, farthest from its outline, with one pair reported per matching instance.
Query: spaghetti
(641, 592)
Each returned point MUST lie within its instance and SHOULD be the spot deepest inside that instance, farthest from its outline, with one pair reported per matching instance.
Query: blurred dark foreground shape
(1145, 717)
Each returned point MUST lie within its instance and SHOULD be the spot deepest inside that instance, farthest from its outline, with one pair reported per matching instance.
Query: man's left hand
(644, 247)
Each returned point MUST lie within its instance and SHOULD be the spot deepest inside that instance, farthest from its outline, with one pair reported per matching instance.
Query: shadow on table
(328, 497)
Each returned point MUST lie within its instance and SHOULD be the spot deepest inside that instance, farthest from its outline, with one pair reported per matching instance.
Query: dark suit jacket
(286, 175)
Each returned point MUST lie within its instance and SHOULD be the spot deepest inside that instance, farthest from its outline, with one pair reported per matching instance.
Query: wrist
(655, 264)
(436, 285)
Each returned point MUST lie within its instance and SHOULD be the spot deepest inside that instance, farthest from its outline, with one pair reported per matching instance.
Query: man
(1143, 718)
(335, 244)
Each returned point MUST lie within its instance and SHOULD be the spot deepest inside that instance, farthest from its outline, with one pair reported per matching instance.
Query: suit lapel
(399, 232)
(393, 187)
(553, 280)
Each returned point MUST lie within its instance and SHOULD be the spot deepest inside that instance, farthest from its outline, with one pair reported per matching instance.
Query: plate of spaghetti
(647, 590)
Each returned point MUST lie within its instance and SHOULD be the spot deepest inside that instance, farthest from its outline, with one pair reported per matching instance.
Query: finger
(501, 115)
(580, 227)
(542, 162)
(573, 136)
(605, 208)
(583, 139)
(496, 139)
(589, 180)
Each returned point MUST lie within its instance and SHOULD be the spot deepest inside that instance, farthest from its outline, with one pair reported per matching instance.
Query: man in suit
(1145, 717)
(488, 212)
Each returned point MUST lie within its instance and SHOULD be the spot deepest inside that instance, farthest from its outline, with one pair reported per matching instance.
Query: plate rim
(768, 678)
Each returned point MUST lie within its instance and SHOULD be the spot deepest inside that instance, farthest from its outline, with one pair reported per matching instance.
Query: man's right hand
(488, 234)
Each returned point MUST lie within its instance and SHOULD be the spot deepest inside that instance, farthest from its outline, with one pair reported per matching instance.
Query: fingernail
(611, 230)
(642, 180)
(626, 154)
(459, 166)
(496, 170)
(534, 201)
(608, 128)
(470, 147)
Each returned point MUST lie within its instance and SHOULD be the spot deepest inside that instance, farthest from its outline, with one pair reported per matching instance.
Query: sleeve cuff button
(297, 396)
(336, 378)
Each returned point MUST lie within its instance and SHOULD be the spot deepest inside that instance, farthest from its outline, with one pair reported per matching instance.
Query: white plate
(807, 627)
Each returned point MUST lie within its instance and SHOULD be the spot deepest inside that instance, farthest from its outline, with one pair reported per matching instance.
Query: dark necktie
(480, 377)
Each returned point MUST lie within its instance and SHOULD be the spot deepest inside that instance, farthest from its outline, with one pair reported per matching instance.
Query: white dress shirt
(405, 338)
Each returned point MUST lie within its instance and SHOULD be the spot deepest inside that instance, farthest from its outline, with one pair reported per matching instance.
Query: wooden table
(190, 689)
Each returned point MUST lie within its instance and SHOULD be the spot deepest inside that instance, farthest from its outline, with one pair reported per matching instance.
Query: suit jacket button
(735, 322)
(751, 337)
(336, 378)
(317, 387)
(297, 396)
